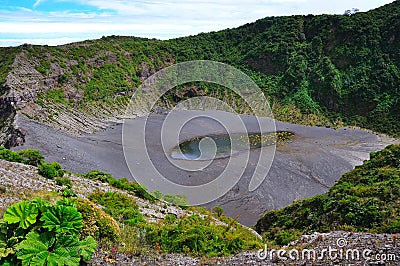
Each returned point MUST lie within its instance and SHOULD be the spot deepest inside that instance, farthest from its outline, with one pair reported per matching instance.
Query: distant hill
(365, 199)
(323, 70)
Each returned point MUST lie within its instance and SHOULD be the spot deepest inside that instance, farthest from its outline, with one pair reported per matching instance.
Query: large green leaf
(41, 250)
(87, 247)
(62, 219)
(23, 212)
(68, 247)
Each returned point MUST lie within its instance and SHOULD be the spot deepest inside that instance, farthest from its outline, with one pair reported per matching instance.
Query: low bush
(200, 236)
(122, 183)
(50, 170)
(97, 175)
(121, 207)
(32, 157)
(174, 199)
(218, 211)
(63, 181)
(35, 158)
(11, 156)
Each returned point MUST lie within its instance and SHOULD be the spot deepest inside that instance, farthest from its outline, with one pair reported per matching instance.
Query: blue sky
(63, 21)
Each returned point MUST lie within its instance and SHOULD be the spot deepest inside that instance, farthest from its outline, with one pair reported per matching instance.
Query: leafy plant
(62, 219)
(32, 157)
(10, 236)
(35, 250)
(46, 249)
(38, 233)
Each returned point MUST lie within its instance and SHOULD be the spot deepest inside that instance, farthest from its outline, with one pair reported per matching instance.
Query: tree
(218, 210)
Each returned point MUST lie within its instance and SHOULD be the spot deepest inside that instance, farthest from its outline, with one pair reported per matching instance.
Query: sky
(64, 21)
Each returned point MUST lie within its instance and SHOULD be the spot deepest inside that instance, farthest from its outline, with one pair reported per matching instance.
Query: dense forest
(323, 70)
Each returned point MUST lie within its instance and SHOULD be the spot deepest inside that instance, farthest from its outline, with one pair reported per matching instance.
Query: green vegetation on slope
(322, 70)
(365, 199)
(7, 56)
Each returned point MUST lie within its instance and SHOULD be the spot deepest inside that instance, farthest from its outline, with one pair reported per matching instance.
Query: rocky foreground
(19, 181)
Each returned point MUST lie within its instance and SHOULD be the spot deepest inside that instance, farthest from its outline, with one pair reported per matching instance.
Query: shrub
(157, 194)
(364, 199)
(56, 96)
(392, 227)
(11, 156)
(68, 193)
(178, 200)
(131, 186)
(285, 237)
(47, 170)
(218, 210)
(122, 183)
(32, 157)
(63, 181)
(199, 236)
(123, 208)
(97, 175)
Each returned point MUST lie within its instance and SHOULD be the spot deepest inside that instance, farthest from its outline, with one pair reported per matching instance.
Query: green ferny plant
(38, 233)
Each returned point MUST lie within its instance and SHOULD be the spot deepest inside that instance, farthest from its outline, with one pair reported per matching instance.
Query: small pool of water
(222, 146)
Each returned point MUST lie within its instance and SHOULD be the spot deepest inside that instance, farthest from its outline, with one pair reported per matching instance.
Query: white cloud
(214, 8)
(48, 41)
(37, 3)
(59, 27)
